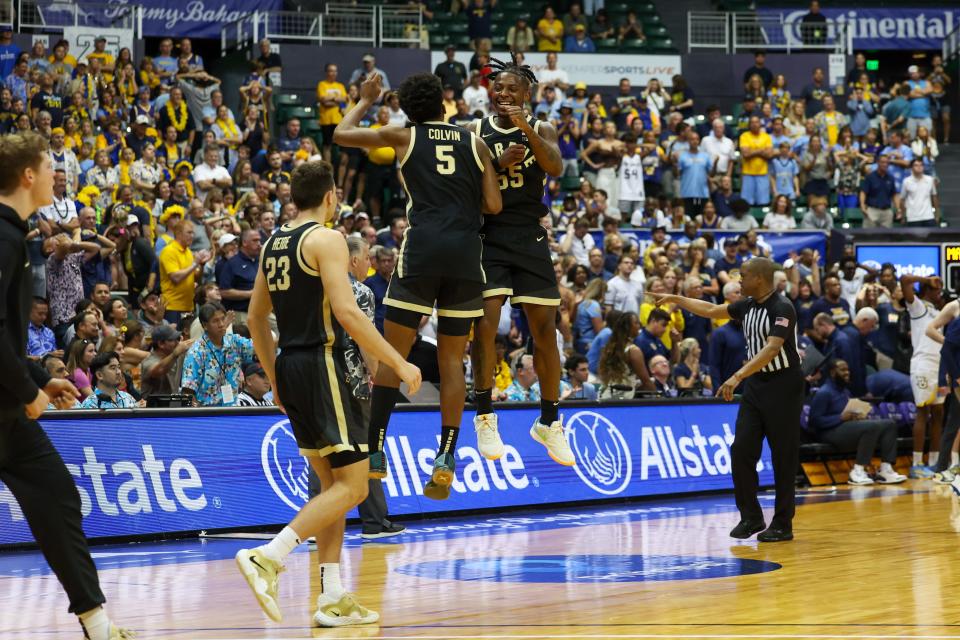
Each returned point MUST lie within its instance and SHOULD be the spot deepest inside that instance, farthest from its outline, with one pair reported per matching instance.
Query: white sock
(954, 458)
(886, 468)
(96, 624)
(933, 457)
(330, 579)
(918, 458)
(281, 546)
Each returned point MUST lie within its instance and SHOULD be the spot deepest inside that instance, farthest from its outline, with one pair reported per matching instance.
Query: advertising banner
(596, 69)
(138, 474)
(174, 18)
(780, 243)
(916, 259)
(873, 27)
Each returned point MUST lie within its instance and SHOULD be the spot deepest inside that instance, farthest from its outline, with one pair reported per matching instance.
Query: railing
(708, 30)
(363, 24)
(57, 14)
(733, 31)
(400, 25)
(951, 45)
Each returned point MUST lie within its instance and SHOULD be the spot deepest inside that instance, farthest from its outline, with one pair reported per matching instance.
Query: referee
(29, 465)
(772, 396)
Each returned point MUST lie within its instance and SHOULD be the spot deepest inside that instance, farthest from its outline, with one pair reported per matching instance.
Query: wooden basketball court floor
(868, 562)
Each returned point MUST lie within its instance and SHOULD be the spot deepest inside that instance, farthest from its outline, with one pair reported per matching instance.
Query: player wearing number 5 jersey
(516, 257)
(450, 181)
(303, 277)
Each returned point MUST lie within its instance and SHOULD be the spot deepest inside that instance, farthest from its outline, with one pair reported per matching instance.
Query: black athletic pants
(951, 424)
(863, 436)
(35, 474)
(770, 408)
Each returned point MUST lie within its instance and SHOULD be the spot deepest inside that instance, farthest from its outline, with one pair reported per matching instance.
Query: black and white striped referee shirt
(776, 317)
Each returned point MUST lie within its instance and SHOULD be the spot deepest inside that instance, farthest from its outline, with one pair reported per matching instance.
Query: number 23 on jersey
(277, 272)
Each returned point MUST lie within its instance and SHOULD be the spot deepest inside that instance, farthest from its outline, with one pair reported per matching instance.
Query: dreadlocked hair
(514, 67)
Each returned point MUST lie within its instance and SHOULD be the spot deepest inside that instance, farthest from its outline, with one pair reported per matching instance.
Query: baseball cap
(348, 213)
(226, 239)
(580, 85)
(449, 47)
(913, 69)
(730, 241)
(142, 119)
(657, 227)
(368, 58)
(132, 219)
(100, 39)
(579, 27)
(163, 332)
(363, 214)
(253, 369)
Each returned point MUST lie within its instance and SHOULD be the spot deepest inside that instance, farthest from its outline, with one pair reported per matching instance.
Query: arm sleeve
(738, 308)
(19, 381)
(784, 320)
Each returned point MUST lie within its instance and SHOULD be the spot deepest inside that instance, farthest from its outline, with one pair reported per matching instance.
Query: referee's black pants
(37, 477)
(770, 408)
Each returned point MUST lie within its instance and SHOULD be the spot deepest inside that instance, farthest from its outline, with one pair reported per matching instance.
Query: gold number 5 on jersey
(446, 163)
(277, 273)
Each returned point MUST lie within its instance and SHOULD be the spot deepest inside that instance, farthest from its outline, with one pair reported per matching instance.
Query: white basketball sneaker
(342, 612)
(889, 475)
(488, 437)
(859, 476)
(554, 438)
(262, 574)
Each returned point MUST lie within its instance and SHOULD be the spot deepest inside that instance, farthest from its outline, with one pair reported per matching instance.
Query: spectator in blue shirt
(649, 340)
(728, 351)
(165, 64)
(212, 366)
(879, 195)
(847, 429)
(40, 338)
(890, 385)
(9, 52)
(690, 374)
(239, 273)
(289, 143)
(920, 91)
(17, 80)
(525, 387)
(578, 372)
(694, 166)
(108, 376)
(784, 173)
(383, 261)
(603, 337)
(579, 41)
(589, 320)
(900, 155)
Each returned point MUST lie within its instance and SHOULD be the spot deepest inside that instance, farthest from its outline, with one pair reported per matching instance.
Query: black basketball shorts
(517, 263)
(459, 302)
(327, 419)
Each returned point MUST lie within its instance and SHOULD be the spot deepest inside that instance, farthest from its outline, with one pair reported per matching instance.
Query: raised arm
(349, 134)
(698, 307)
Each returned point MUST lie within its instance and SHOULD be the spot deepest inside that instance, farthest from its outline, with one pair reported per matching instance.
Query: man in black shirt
(772, 396)
(30, 467)
(271, 61)
(451, 72)
(759, 68)
(813, 26)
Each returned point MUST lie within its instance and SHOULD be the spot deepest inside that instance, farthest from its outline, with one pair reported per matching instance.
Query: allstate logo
(603, 458)
(286, 470)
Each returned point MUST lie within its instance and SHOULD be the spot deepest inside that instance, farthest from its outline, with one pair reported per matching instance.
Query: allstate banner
(174, 18)
(873, 27)
(145, 475)
(781, 243)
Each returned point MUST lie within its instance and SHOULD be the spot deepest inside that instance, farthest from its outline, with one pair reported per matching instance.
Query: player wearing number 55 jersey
(516, 257)
(450, 181)
(303, 277)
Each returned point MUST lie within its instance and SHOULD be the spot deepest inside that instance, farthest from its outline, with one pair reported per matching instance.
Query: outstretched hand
(372, 87)
(662, 298)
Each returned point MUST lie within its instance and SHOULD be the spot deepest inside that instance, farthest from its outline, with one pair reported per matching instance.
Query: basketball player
(924, 367)
(450, 182)
(772, 396)
(516, 257)
(30, 467)
(947, 467)
(303, 278)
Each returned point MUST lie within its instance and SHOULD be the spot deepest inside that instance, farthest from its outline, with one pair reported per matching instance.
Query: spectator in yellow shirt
(381, 168)
(656, 285)
(549, 32)
(331, 95)
(178, 271)
(107, 61)
(756, 149)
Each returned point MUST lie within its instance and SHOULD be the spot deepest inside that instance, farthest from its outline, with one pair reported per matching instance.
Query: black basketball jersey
(304, 316)
(776, 317)
(521, 186)
(443, 176)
